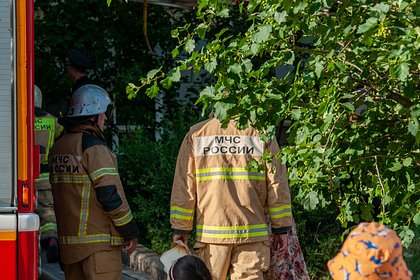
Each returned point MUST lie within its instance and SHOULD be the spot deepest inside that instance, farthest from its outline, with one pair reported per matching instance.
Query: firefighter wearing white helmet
(47, 131)
(93, 217)
(88, 100)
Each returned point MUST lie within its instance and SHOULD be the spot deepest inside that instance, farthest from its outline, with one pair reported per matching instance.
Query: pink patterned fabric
(292, 265)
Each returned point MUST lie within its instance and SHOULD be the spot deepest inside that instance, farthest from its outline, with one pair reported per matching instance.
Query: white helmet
(88, 100)
(38, 97)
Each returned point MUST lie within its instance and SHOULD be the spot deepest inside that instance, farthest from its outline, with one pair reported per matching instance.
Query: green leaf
(175, 52)
(415, 113)
(222, 108)
(340, 65)
(190, 45)
(166, 83)
(403, 4)
(211, 65)
(381, 7)
(317, 138)
(395, 167)
(174, 75)
(416, 218)
(152, 91)
(370, 22)
(310, 201)
(288, 4)
(201, 30)
(255, 48)
(247, 64)
(295, 114)
(131, 90)
(152, 73)
(349, 106)
(263, 34)
(234, 68)
(301, 135)
(407, 162)
(413, 127)
(208, 91)
(407, 236)
(280, 17)
(224, 13)
(252, 5)
(319, 66)
(347, 95)
(299, 6)
(327, 122)
(403, 70)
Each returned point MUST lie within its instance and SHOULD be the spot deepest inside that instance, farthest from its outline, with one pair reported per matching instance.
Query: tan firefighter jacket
(230, 201)
(90, 206)
(47, 130)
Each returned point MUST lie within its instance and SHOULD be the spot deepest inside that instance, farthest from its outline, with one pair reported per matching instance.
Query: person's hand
(280, 243)
(130, 247)
(182, 237)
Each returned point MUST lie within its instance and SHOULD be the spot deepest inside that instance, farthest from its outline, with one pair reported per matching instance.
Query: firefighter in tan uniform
(212, 181)
(47, 130)
(93, 217)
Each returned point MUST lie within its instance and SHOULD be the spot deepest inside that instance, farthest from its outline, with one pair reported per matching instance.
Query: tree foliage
(346, 73)
(113, 37)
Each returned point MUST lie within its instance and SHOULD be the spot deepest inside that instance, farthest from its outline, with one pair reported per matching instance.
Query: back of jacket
(89, 201)
(213, 179)
(47, 130)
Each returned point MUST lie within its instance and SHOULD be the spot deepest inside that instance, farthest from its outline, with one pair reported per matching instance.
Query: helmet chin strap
(97, 122)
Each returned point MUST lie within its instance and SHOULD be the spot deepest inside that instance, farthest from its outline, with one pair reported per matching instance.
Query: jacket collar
(87, 128)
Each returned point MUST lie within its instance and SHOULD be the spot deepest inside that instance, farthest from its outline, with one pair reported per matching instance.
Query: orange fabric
(371, 251)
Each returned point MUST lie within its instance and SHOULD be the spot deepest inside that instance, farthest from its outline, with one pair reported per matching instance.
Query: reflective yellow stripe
(43, 177)
(123, 220)
(58, 132)
(228, 173)
(232, 231)
(182, 210)
(7, 235)
(48, 227)
(181, 213)
(280, 212)
(84, 209)
(93, 238)
(102, 172)
(69, 179)
(180, 217)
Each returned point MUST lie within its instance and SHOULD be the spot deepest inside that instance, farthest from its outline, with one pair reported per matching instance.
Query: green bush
(319, 238)
(412, 257)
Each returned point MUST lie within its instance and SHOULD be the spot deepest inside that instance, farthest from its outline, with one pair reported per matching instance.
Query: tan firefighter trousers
(242, 261)
(103, 265)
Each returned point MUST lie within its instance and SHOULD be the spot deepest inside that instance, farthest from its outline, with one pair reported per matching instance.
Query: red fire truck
(18, 223)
